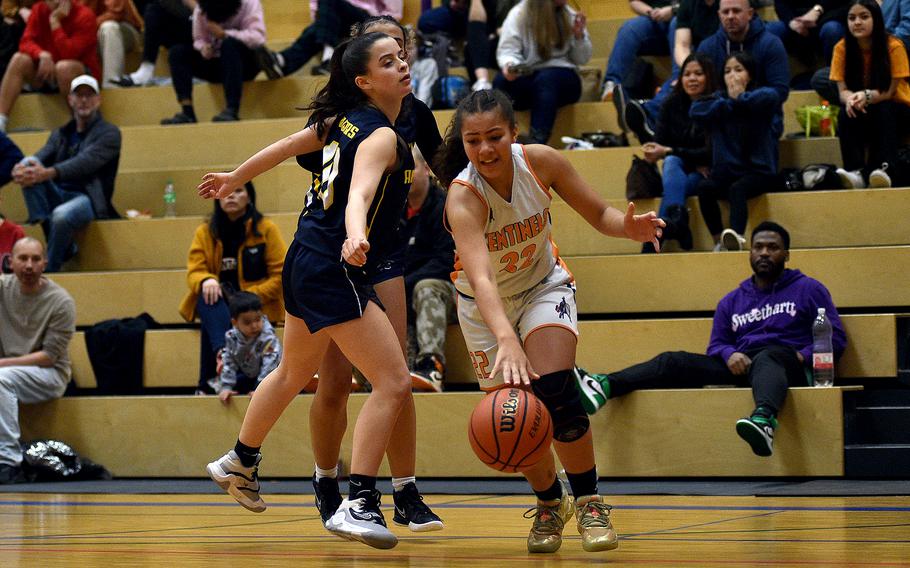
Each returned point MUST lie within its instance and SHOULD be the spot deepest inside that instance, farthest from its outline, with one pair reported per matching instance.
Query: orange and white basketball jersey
(517, 232)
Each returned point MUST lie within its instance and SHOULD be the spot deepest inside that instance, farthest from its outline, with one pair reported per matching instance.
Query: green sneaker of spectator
(758, 431)
(594, 389)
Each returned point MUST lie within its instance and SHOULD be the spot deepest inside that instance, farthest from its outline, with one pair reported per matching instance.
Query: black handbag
(643, 180)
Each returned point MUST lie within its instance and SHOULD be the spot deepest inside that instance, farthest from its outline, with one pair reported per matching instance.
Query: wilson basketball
(510, 430)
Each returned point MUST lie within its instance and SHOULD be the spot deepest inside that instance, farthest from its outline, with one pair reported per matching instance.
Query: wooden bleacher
(163, 243)
(603, 346)
(644, 434)
(142, 178)
(636, 306)
(858, 277)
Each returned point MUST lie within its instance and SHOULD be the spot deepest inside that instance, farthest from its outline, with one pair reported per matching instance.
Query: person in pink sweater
(225, 33)
(332, 21)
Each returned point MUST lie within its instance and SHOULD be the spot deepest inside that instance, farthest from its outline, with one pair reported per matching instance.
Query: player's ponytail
(451, 158)
(340, 94)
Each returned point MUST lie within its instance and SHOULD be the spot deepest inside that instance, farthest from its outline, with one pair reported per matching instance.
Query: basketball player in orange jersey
(516, 298)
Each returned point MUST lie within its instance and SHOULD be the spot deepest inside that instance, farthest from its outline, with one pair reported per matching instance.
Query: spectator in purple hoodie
(762, 337)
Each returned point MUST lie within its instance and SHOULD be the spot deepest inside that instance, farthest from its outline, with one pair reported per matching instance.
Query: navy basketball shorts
(391, 266)
(323, 290)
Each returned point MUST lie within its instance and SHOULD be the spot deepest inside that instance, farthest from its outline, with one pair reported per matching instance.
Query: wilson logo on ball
(509, 408)
(510, 430)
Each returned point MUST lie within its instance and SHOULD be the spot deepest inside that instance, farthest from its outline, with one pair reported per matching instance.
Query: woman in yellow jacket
(238, 249)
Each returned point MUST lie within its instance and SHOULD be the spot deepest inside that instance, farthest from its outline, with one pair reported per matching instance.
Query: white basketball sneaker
(241, 483)
(361, 520)
(878, 177)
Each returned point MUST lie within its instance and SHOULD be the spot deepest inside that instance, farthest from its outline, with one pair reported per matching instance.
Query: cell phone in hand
(521, 69)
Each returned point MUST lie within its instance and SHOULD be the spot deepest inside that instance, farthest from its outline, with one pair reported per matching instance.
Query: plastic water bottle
(824, 125)
(170, 200)
(822, 351)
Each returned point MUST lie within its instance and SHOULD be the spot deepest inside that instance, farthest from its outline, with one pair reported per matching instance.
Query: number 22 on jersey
(512, 258)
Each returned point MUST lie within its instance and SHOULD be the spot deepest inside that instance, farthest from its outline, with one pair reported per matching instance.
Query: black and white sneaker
(428, 374)
(328, 496)
(361, 520)
(636, 119)
(412, 512)
(619, 102)
(241, 482)
(268, 61)
(758, 431)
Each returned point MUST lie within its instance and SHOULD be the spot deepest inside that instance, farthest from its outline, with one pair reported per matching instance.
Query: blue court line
(891, 509)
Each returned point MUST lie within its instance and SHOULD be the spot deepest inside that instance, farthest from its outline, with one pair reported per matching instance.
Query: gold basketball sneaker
(593, 516)
(549, 519)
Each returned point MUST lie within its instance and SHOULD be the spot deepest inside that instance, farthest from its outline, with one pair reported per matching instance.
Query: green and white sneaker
(594, 389)
(758, 431)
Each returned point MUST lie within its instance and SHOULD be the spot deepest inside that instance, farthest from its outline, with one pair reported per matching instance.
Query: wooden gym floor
(481, 531)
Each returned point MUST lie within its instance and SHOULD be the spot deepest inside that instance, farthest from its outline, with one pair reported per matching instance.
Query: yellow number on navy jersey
(331, 156)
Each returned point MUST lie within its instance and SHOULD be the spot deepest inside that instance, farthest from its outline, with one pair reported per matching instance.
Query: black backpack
(116, 349)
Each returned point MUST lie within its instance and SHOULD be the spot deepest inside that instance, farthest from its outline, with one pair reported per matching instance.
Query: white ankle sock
(144, 73)
(327, 52)
(399, 482)
(3, 120)
(320, 473)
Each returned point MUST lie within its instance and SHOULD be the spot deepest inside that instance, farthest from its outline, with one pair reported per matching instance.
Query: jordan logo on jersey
(516, 233)
(562, 309)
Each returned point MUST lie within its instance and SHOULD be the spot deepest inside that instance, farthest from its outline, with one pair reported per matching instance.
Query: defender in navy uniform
(347, 221)
(328, 412)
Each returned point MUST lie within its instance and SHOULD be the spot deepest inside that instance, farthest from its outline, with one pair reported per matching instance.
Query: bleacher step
(879, 425)
(670, 433)
(877, 460)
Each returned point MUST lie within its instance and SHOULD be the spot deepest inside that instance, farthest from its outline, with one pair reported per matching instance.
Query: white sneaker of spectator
(878, 178)
(607, 94)
(851, 180)
(732, 240)
(481, 85)
(576, 143)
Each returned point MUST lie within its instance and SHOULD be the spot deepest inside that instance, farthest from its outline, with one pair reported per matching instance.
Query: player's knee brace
(559, 394)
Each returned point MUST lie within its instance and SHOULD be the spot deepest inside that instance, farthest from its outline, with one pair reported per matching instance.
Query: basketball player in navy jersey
(516, 298)
(328, 412)
(347, 225)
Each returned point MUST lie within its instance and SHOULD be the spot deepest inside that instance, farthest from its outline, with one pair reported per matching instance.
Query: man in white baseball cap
(86, 80)
(70, 181)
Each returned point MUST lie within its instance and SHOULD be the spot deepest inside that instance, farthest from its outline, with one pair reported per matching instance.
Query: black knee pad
(559, 394)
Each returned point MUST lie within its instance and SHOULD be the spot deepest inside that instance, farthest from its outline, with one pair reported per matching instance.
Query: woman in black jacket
(683, 145)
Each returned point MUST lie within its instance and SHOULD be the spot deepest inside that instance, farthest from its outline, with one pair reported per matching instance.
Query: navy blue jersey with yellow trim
(415, 124)
(321, 225)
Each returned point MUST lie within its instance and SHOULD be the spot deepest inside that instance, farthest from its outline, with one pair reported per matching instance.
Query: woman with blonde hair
(541, 46)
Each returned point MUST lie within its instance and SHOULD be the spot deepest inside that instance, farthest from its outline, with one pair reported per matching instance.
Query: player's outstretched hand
(643, 228)
(514, 365)
(217, 185)
(354, 251)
